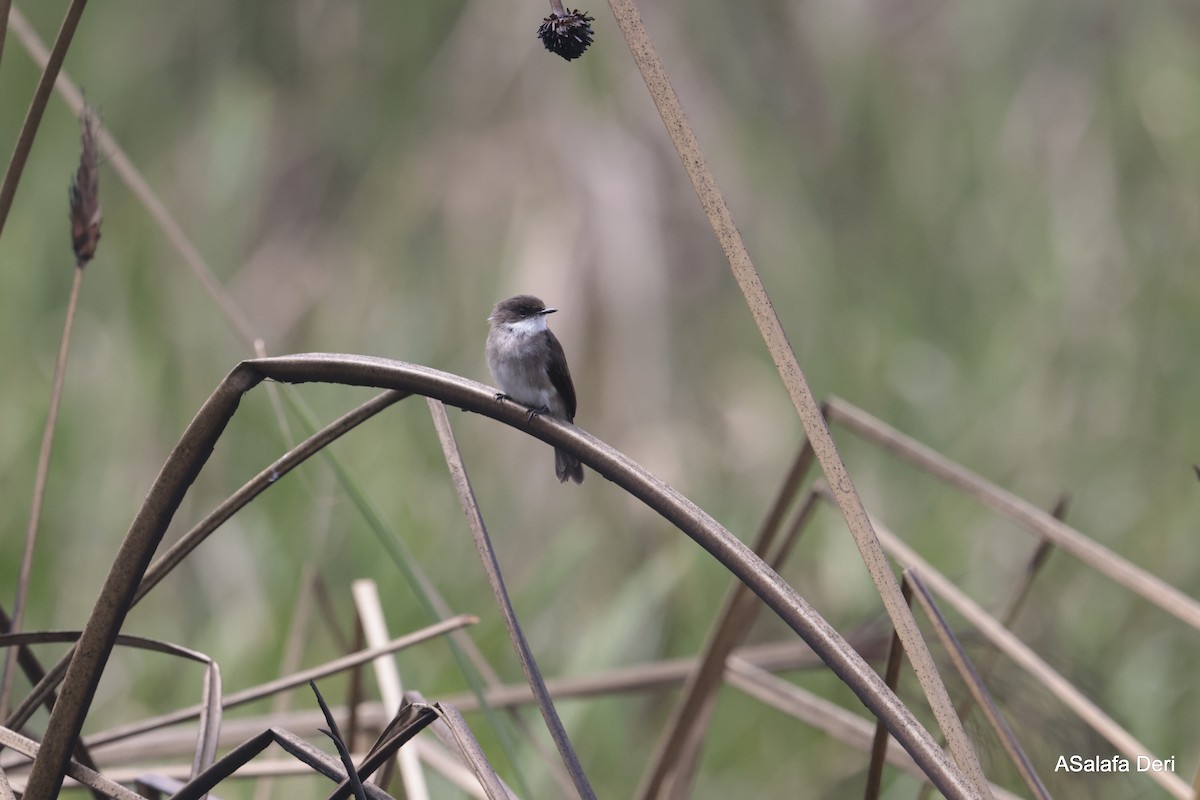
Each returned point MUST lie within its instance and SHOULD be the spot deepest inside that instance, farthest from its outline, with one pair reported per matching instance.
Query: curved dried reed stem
(193, 449)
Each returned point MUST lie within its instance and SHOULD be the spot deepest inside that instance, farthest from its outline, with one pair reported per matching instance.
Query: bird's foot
(537, 412)
(501, 396)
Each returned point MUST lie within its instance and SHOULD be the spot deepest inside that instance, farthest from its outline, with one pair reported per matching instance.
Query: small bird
(528, 363)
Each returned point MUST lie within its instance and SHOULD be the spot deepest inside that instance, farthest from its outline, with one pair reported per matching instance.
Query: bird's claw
(536, 412)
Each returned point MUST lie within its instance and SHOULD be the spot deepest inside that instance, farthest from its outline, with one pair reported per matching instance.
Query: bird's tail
(567, 466)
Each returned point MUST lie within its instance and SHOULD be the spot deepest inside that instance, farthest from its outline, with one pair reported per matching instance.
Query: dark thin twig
(1032, 569)
(879, 744)
(411, 719)
(491, 566)
(979, 692)
(37, 107)
(343, 752)
(5, 6)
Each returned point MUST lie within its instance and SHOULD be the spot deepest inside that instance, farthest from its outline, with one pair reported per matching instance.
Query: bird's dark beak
(548, 310)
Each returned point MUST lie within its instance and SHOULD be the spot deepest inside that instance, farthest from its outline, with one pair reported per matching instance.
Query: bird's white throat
(528, 326)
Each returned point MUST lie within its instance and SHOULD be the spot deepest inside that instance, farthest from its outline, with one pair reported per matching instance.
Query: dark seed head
(567, 35)
(84, 192)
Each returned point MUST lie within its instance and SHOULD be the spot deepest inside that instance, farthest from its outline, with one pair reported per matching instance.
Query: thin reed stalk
(37, 106)
(491, 566)
(85, 216)
(658, 82)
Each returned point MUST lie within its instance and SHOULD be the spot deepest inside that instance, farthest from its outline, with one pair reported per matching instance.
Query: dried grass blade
(979, 692)
(356, 786)
(408, 722)
(222, 769)
(1024, 513)
(299, 625)
(491, 566)
(471, 751)
(209, 723)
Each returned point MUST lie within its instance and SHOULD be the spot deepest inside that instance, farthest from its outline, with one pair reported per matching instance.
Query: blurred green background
(980, 222)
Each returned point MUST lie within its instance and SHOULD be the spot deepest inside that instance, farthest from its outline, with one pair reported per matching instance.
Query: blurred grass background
(980, 223)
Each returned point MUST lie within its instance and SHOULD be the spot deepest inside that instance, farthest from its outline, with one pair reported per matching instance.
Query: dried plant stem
(37, 106)
(747, 277)
(491, 566)
(39, 487)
